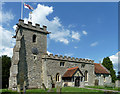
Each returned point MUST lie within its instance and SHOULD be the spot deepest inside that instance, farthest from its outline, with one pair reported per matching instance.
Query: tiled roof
(70, 72)
(100, 69)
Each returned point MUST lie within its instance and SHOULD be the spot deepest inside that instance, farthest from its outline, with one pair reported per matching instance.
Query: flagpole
(22, 10)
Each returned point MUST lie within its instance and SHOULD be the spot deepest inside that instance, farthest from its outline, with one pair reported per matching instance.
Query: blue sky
(83, 30)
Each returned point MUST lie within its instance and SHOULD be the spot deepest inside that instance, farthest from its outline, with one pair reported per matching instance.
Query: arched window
(104, 78)
(34, 38)
(86, 76)
(57, 77)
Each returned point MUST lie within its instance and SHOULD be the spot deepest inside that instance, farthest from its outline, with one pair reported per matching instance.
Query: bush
(109, 85)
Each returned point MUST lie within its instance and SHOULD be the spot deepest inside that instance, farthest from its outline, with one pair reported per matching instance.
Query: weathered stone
(44, 87)
(18, 88)
(32, 65)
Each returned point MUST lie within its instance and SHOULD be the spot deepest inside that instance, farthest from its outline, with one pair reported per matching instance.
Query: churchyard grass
(10, 91)
(75, 89)
(102, 87)
(64, 89)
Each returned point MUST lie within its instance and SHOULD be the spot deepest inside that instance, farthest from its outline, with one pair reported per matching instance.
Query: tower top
(29, 26)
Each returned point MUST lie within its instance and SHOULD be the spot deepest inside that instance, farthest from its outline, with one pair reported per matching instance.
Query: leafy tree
(6, 63)
(108, 64)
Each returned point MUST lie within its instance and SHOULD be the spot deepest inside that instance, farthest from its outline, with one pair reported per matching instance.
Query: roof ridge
(73, 68)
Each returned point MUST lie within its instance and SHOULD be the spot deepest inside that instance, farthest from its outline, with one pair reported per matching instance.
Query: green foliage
(6, 63)
(108, 64)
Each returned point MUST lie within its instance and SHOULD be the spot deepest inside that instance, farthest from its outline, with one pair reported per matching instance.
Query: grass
(75, 89)
(102, 87)
(64, 89)
(10, 91)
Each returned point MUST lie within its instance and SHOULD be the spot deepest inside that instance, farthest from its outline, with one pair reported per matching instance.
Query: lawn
(102, 87)
(75, 89)
(64, 89)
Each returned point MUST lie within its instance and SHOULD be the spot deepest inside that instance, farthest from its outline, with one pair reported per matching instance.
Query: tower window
(62, 64)
(57, 77)
(35, 57)
(86, 76)
(34, 38)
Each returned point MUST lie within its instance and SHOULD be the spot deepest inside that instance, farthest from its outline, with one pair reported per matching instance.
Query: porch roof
(70, 72)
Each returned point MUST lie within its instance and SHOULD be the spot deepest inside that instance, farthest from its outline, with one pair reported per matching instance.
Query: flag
(28, 6)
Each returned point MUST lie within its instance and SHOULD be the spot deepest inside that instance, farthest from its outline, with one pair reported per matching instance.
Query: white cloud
(6, 51)
(14, 27)
(115, 59)
(6, 16)
(75, 47)
(60, 36)
(49, 52)
(75, 35)
(68, 54)
(7, 42)
(94, 44)
(84, 32)
(71, 26)
(58, 32)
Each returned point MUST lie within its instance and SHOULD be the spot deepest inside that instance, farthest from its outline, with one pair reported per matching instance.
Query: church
(32, 66)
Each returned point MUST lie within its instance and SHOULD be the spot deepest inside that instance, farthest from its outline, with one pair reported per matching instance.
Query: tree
(6, 63)
(108, 64)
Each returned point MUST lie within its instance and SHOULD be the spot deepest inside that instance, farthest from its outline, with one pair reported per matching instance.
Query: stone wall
(28, 65)
(52, 64)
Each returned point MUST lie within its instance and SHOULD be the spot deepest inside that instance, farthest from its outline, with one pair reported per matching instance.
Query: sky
(80, 29)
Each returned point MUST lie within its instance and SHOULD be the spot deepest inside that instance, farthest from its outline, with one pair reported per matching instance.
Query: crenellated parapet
(65, 58)
(29, 26)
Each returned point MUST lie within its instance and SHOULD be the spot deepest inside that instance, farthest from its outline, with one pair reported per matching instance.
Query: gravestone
(58, 89)
(18, 88)
(43, 85)
(24, 87)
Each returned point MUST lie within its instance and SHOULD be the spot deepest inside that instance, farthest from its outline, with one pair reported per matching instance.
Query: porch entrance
(53, 85)
(77, 81)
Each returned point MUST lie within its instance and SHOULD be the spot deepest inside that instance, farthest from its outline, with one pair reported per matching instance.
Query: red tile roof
(70, 72)
(100, 69)
(73, 68)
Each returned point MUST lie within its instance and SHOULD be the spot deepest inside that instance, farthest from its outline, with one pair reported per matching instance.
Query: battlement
(31, 27)
(65, 58)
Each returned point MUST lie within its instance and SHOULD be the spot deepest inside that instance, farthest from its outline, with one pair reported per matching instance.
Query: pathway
(100, 89)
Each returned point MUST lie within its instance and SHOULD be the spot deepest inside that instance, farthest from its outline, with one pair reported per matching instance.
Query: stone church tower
(34, 68)
(31, 44)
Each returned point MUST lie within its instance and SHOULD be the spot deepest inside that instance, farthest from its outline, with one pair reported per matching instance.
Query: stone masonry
(24, 66)
(32, 65)
(51, 66)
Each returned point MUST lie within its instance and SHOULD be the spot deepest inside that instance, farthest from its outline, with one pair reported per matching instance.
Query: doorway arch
(77, 81)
